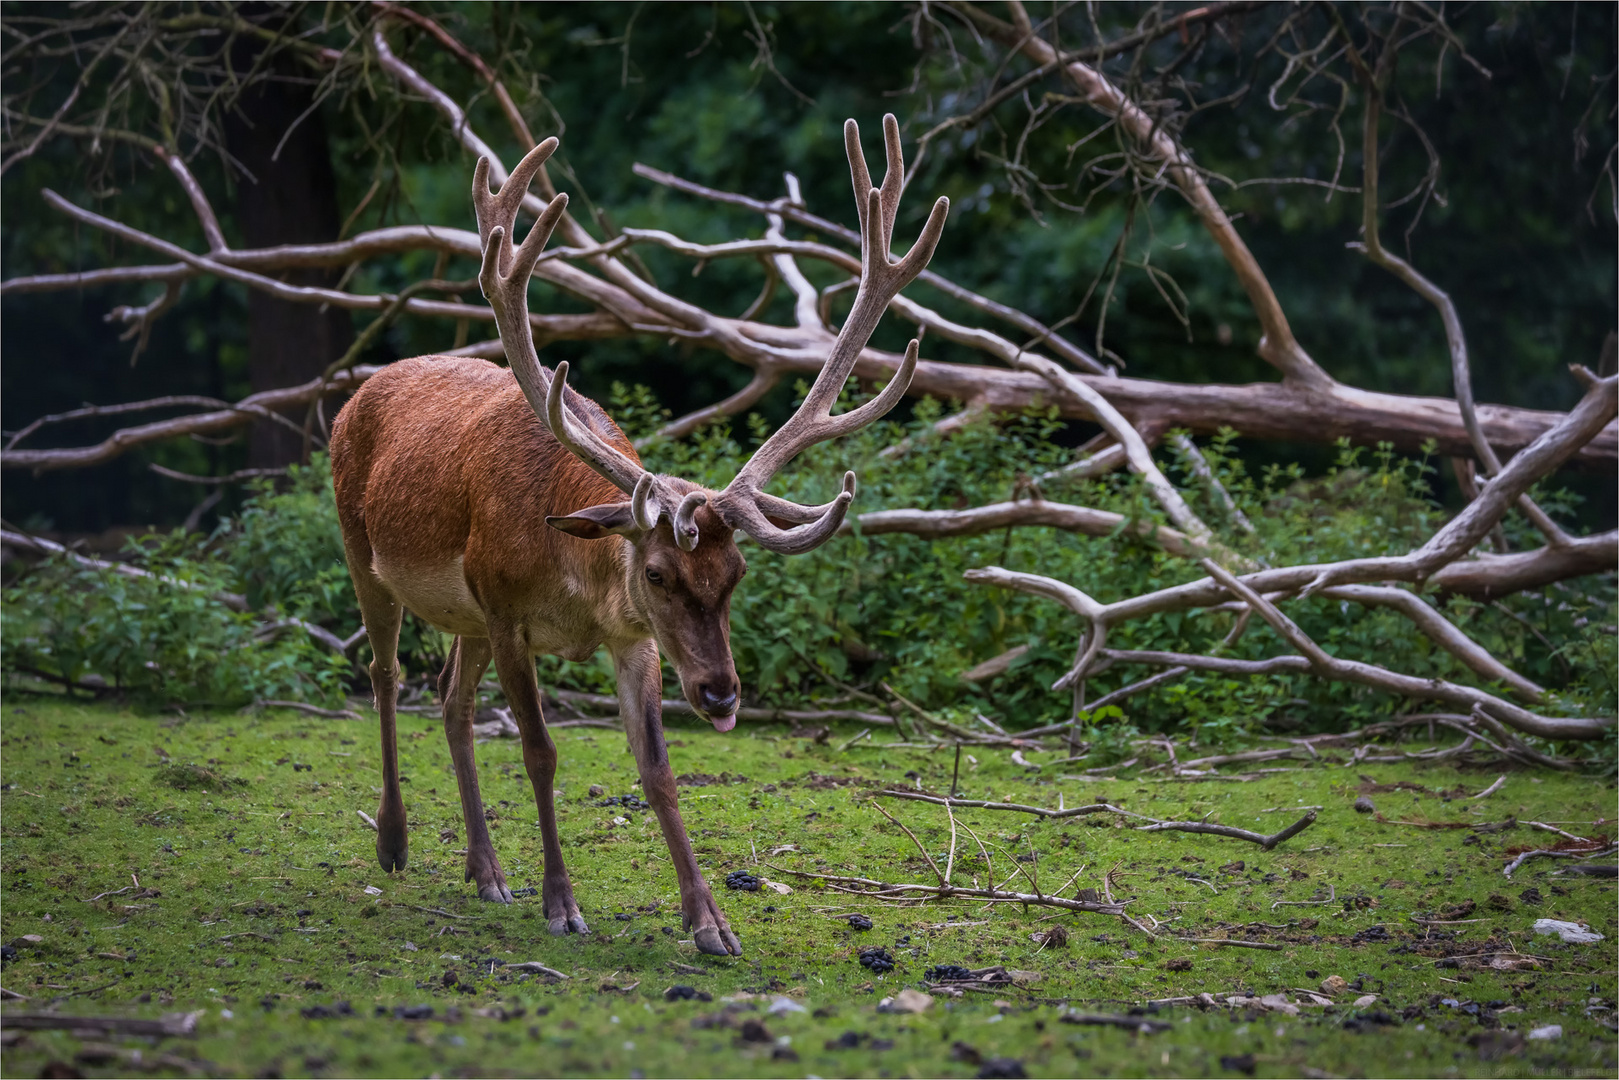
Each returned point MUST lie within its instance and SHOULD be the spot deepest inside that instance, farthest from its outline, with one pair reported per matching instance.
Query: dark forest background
(1520, 226)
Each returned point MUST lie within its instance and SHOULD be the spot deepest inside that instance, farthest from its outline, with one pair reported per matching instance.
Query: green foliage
(162, 638)
(285, 548)
(864, 610)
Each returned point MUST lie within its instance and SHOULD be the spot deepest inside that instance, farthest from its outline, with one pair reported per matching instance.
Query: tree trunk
(285, 197)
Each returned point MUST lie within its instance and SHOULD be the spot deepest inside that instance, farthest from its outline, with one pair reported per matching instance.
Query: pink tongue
(723, 723)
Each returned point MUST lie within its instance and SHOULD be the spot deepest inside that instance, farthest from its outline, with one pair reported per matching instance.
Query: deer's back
(444, 477)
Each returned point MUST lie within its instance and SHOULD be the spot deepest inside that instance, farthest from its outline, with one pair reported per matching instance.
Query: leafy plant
(862, 610)
(162, 638)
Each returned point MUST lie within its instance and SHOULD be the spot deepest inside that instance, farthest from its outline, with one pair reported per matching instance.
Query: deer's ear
(595, 522)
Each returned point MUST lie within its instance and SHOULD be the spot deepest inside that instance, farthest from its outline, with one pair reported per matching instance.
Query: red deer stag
(447, 472)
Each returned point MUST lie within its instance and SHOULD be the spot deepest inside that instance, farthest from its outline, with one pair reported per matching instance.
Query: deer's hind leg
(382, 614)
(458, 690)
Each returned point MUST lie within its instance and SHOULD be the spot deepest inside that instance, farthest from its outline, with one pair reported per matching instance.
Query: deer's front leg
(515, 667)
(640, 698)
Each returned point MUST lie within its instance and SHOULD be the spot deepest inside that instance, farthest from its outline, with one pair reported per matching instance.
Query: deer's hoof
(717, 941)
(390, 858)
(495, 892)
(392, 847)
(568, 924)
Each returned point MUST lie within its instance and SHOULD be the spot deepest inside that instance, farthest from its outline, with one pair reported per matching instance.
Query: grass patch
(194, 777)
(264, 908)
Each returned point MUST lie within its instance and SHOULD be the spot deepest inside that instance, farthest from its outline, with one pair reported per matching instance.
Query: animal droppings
(628, 802)
(741, 880)
(947, 973)
(860, 922)
(877, 959)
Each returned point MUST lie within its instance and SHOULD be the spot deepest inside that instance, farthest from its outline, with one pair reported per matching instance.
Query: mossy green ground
(259, 900)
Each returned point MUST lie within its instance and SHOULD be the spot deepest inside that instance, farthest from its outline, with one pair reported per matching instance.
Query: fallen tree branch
(311, 710)
(879, 890)
(1487, 577)
(1555, 854)
(681, 707)
(210, 423)
(1265, 842)
(1451, 542)
(1154, 824)
(1200, 466)
(1271, 946)
(628, 306)
(1030, 512)
(1381, 678)
(1277, 346)
(1038, 811)
(1262, 411)
(234, 601)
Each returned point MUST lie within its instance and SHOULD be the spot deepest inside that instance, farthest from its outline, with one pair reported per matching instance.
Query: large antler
(504, 279)
(743, 505)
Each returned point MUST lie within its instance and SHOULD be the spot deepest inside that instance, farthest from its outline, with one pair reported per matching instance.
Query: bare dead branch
(1278, 346)
(242, 412)
(1455, 338)
(1039, 332)
(1265, 842)
(232, 478)
(1313, 659)
(1260, 411)
(1383, 679)
(926, 857)
(796, 717)
(1490, 576)
(982, 519)
(879, 890)
(1154, 824)
(1200, 466)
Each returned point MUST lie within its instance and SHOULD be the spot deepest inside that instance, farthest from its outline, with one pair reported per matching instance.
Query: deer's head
(683, 593)
(684, 562)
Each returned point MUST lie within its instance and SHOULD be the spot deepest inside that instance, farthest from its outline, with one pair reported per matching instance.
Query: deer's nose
(717, 701)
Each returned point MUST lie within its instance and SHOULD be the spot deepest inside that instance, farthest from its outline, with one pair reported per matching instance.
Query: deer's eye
(653, 576)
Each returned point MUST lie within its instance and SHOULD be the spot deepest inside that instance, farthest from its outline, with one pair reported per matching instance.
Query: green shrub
(864, 610)
(155, 640)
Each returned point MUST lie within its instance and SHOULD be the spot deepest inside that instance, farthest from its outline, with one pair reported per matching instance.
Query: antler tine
(499, 208)
(643, 508)
(893, 185)
(584, 443)
(504, 279)
(893, 178)
(816, 531)
(685, 527)
(742, 503)
(859, 175)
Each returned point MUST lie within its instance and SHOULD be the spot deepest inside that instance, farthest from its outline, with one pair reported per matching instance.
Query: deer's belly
(438, 594)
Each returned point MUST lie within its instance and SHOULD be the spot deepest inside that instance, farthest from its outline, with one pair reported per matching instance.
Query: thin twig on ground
(1154, 824)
